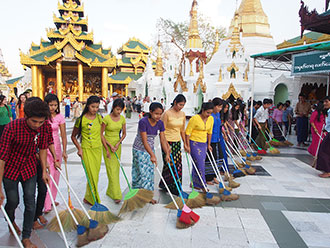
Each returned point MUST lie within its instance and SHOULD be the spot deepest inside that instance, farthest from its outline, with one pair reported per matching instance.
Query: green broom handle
(122, 169)
(252, 139)
(266, 139)
(89, 183)
(192, 185)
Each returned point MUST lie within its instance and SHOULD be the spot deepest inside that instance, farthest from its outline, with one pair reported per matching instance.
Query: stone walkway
(288, 206)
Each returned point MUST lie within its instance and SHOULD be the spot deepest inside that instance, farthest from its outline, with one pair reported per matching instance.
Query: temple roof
(124, 77)
(308, 38)
(134, 45)
(14, 80)
(253, 20)
(4, 71)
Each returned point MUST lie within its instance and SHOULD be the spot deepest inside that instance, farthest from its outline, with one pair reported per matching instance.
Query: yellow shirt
(198, 130)
(90, 131)
(174, 124)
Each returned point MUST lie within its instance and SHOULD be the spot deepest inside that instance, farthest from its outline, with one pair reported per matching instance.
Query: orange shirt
(21, 111)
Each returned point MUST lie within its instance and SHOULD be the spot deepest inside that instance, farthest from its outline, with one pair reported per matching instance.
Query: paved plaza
(285, 205)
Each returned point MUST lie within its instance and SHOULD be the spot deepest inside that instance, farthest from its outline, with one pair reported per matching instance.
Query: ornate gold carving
(231, 91)
(96, 63)
(194, 40)
(302, 41)
(70, 6)
(137, 49)
(220, 75)
(70, 18)
(54, 57)
(41, 50)
(201, 84)
(127, 81)
(246, 73)
(69, 38)
(183, 84)
(51, 34)
(68, 52)
(232, 66)
(83, 59)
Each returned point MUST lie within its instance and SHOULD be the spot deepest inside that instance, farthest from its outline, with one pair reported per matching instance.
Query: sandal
(324, 175)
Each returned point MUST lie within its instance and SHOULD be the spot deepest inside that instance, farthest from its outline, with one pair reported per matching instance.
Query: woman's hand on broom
(80, 153)
(108, 154)
(168, 158)
(153, 159)
(45, 177)
(186, 148)
(210, 148)
(57, 164)
(2, 196)
(65, 156)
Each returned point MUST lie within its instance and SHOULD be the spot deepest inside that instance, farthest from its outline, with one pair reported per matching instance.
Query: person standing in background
(302, 111)
(13, 107)
(290, 116)
(20, 106)
(67, 103)
(114, 96)
(5, 113)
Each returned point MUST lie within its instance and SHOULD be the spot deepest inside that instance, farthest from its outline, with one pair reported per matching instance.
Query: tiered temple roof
(308, 38)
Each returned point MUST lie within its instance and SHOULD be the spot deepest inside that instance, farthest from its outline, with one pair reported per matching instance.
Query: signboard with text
(313, 62)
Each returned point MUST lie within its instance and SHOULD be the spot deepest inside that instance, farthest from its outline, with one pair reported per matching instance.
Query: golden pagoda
(159, 71)
(134, 57)
(69, 63)
(252, 20)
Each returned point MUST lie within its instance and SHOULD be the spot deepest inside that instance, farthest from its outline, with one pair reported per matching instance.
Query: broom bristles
(104, 217)
(215, 200)
(231, 197)
(181, 225)
(66, 220)
(232, 184)
(196, 202)
(288, 143)
(82, 239)
(251, 171)
(139, 200)
(178, 201)
(98, 232)
(242, 152)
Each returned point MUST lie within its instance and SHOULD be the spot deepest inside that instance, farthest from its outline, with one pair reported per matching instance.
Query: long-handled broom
(317, 150)
(231, 183)
(254, 154)
(96, 230)
(240, 144)
(195, 199)
(249, 156)
(237, 172)
(271, 149)
(98, 211)
(11, 227)
(272, 140)
(210, 198)
(135, 198)
(260, 150)
(57, 216)
(176, 179)
(185, 216)
(68, 224)
(225, 194)
(286, 139)
(72, 222)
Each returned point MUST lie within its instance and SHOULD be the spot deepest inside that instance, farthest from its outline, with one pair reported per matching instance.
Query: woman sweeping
(317, 121)
(198, 140)
(278, 119)
(57, 122)
(114, 126)
(88, 127)
(144, 158)
(323, 156)
(20, 106)
(216, 140)
(175, 122)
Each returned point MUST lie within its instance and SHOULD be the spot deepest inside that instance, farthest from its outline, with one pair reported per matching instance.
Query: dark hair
(12, 99)
(217, 101)
(234, 112)
(206, 106)
(2, 98)
(90, 100)
(279, 105)
(242, 110)
(258, 103)
(35, 107)
(224, 116)
(51, 98)
(179, 98)
(118, 103)
(270, 101)
(154, 106)
(19, 103)
(302, 95)
(288, 102)
(267, 101)
(319, 109)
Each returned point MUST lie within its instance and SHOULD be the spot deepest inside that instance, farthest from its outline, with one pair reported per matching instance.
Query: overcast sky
(115, 21)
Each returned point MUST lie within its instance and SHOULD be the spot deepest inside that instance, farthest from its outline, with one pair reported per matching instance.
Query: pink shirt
(55, 123)
(277, 115)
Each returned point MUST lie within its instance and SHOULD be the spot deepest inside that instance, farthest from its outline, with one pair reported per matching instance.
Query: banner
(313, 62)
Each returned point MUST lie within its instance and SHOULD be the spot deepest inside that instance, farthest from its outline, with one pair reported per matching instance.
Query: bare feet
(56, 204)
(325, 175)
(37, 225)
(42, 220)
(28, 244)
(215, 181)
(117, 201)
(18, 231)
(47, 211)
(153, 202)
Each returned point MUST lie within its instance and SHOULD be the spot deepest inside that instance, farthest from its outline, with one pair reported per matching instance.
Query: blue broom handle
(252, 139)
(231, 158)
(176, 171)
(176, 184)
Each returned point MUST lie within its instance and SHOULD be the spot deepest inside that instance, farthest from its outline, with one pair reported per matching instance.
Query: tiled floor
(287, 205)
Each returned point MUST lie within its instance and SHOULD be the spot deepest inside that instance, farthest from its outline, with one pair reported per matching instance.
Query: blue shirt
(216, 133)
(327, 122)
(285, 115)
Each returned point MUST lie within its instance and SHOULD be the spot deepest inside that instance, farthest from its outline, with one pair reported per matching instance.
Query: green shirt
(113, 128)
(4, 115)
(90, 131)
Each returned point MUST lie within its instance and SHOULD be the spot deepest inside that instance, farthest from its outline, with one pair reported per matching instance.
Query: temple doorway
(281, 93)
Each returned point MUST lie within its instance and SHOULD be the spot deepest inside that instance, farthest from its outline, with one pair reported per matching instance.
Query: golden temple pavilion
(69, 63)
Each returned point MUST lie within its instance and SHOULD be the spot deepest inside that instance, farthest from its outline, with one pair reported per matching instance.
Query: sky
(115, 21)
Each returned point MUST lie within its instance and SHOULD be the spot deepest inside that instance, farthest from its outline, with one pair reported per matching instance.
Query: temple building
(69, 62)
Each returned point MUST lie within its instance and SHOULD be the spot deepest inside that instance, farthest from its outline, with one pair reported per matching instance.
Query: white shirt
(67, 101)
(262, 115)
(110, 107)
(146, 106)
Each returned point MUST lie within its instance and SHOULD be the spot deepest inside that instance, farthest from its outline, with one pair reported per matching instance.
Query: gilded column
(105, 82)
(81, 81)
(34, 69)
(59, 79)
(41, 87)
(126, 90)
(111, 89)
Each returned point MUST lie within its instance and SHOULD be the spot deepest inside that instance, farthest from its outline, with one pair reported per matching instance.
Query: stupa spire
(235, 40)
(194, 41)
(159, 62)
(253, 20)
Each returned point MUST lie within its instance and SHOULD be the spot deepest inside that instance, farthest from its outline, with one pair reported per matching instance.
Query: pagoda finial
(194, 40)
(235, 37)
(159, 62)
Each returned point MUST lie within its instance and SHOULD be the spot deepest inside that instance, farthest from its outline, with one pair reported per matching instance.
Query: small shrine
(69, 62)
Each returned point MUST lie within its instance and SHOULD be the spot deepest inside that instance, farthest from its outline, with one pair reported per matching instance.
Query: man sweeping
(18, 162)
(260, 119)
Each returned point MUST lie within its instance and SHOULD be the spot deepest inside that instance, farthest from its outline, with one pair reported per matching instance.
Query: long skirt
(277, 132)
(198, 153)
(67, 111)
(323, 156)
(177, 157)
(142, 171)
(113, 170)
(92, 158)
(261, 141)
(315, 142)
(218, 156)
(302, 129)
